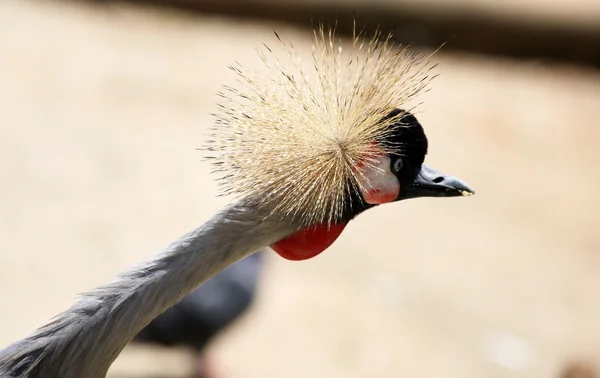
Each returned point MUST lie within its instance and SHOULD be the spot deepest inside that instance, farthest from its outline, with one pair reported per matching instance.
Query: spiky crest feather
(294, 138)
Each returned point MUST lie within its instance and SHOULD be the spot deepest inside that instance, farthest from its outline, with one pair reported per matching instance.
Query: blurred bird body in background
(207, 311)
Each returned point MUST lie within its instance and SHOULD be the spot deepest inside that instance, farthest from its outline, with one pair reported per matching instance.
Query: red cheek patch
(308, 243)
(378, 185)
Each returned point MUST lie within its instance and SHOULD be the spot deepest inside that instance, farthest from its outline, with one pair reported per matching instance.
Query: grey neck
(84, 340)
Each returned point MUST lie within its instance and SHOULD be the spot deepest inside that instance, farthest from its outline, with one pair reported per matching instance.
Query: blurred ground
(100, 113)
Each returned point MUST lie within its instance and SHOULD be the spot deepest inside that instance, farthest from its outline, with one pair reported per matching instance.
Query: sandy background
(101, 110)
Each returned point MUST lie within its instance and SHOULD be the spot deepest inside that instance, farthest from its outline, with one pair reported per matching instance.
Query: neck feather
(84, 340)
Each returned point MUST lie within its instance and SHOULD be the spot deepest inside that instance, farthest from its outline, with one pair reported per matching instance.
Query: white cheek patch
(378, 185)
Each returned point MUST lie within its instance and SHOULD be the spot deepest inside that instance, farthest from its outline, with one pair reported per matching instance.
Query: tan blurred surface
(100, 113)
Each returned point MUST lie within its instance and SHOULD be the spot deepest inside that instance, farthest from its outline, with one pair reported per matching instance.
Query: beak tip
(467, 193)
(464, 189)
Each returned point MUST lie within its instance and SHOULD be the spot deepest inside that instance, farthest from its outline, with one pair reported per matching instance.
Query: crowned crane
(303, 150)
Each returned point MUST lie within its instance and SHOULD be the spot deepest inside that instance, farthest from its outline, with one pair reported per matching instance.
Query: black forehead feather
(408, 135)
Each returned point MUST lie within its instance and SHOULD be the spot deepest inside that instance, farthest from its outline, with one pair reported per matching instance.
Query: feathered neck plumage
(84, 340)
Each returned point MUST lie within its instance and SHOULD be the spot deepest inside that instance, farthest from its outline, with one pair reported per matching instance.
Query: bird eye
(397, 165)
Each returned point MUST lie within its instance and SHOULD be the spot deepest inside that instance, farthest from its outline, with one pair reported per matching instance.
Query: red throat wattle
(308, 243)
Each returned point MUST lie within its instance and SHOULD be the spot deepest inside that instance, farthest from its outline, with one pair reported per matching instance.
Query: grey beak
(432, 183)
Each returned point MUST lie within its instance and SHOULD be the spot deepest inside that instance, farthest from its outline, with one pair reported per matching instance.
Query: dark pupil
(397, 165)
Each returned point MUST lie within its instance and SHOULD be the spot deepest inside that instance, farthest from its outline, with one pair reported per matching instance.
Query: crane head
(390, 178)
(318, 144)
